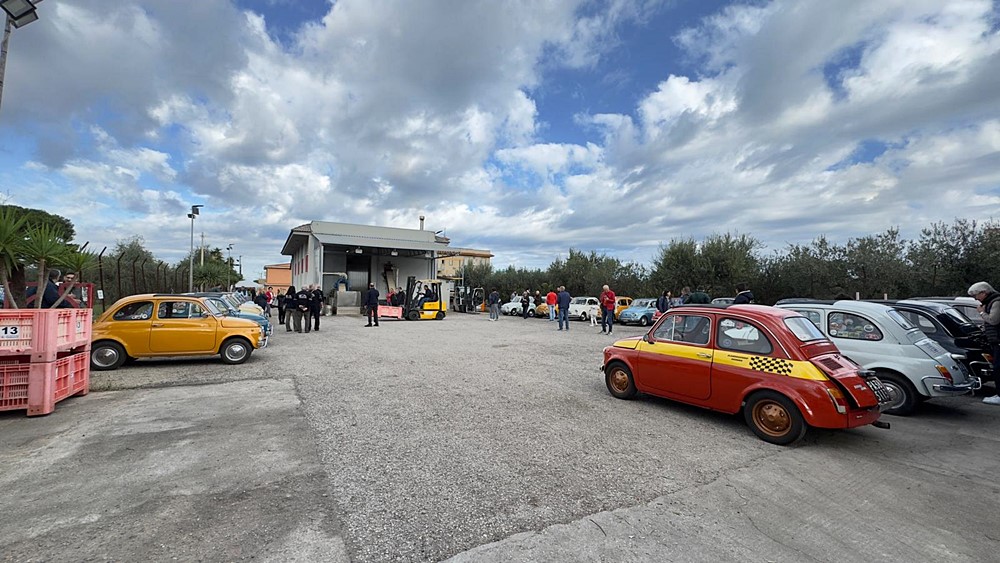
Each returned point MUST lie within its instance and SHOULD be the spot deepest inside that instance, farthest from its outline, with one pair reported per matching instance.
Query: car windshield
(642, 303)
(212, 307)
(957, 316)
(579, 301)
(900, 319)
(803, 329)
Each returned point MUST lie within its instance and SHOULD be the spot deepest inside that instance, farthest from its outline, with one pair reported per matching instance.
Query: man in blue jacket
(371, 304)
(51, 293)
(562, 301)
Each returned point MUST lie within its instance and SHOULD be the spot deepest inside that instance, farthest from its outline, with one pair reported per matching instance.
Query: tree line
(945, 259)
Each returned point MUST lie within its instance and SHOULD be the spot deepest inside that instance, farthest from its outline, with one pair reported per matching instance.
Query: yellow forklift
(424, 300)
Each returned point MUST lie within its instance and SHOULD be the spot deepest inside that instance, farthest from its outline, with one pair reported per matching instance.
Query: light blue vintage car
(640, 312)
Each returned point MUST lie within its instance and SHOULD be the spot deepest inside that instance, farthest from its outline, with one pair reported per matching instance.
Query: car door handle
(157, 324)
(704, 355)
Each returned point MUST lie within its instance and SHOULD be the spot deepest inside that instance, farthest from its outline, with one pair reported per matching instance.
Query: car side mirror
(646, 338)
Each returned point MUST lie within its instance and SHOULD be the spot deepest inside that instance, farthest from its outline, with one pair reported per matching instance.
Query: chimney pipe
(421, 222)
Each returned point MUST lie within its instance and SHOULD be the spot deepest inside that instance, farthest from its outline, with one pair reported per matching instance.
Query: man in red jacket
(550, 300)
(607, 300)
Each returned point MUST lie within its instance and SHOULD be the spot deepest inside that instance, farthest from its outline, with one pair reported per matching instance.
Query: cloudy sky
(521, 126)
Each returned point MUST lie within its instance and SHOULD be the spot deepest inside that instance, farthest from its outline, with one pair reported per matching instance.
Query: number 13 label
(10, 331)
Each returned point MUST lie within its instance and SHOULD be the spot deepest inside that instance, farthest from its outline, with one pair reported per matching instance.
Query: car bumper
(943, 388)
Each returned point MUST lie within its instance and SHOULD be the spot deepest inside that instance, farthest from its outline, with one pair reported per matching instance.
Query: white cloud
(437, 110)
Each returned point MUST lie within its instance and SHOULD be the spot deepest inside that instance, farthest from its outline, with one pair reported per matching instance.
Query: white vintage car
(513, 308)
(912, 366)
(584, 308)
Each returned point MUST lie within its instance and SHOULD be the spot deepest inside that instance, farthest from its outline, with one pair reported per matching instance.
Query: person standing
(550, 300)
(269, 294)
(743, 295)
(562, 300)
(525, 303)
(291, 306)
(303, 310)
(371, 304)
(989, 311)
(608, 301)
(685, 295)
(316, 305)
(494, 305)
(663, 302)
(699, 297)
(280, 300)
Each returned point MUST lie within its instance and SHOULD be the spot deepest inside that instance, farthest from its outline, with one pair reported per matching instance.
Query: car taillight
(838, 399)
(988, 357)
(944, 372)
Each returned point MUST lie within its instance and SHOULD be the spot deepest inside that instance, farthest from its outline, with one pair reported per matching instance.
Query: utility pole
(203, 248)
(241, 266)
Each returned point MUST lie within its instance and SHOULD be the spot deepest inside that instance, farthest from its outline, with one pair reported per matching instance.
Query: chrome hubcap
(105, 356)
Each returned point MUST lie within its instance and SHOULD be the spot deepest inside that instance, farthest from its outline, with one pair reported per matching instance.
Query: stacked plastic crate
(44, 357)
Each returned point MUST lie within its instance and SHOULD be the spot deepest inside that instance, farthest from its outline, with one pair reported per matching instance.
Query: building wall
(278, 278)
(451, 266)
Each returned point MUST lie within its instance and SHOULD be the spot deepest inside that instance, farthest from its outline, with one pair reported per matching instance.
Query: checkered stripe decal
(771, 365)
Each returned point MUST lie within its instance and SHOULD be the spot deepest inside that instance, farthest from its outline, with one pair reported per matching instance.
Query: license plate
(881, 393)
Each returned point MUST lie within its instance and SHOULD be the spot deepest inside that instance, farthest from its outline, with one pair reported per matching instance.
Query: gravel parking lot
(497, 441)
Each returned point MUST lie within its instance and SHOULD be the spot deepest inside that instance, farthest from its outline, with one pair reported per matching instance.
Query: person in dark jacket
(281, 307)
(743, 295)
(494, 305)
(989, 311)
(562, 301)
(699, 297)
(371, 304)
(316, 305)
(303, 297)
(51, 292)
(663, 302)
(291, 305)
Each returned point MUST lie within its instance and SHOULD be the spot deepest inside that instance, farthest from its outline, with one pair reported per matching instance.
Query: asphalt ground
(479, 441)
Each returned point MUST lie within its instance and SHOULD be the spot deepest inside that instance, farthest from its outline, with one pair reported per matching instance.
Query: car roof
(932, 306)
(754, 311)
(847, 304)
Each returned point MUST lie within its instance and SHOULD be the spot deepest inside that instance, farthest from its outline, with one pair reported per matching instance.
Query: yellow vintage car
(152, 325)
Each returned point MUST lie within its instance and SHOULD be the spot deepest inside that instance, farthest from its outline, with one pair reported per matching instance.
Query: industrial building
(326, 253)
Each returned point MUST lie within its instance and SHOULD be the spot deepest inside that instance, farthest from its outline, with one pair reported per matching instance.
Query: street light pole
(192, 215)
(229, 266)
(18, 13)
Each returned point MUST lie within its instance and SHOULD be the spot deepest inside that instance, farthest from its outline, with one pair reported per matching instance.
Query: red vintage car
(771, 364)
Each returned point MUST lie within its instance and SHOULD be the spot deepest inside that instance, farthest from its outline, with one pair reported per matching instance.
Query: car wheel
(643, 321)
(903, 396)
(774, 418)
(619, 380)
(106, 356)
(531, 312)
(235, 351)
(413, 316)
(583, 317)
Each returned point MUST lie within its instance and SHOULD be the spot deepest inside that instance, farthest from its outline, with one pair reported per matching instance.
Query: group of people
(294, 307)
(52, 295)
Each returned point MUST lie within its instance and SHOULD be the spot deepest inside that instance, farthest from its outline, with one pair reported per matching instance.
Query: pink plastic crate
(14, 377)
(43, 333)
(38, 386)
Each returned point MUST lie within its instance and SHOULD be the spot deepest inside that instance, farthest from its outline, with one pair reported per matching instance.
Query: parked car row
(803, 363)
(163, 325)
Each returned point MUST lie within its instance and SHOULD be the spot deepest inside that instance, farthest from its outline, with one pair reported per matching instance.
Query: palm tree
(45, 247)
(11, 243)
